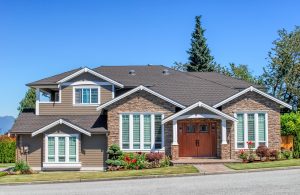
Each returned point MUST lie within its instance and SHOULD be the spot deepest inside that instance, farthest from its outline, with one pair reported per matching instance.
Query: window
(251, 127)
(203, 128)
(86, 95)
(141, 131)
(61, 148)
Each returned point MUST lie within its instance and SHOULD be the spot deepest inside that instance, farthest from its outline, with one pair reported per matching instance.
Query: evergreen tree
(200, 59)
(28, 101)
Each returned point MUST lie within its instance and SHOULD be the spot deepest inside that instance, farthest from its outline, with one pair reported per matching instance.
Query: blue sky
(43, 38)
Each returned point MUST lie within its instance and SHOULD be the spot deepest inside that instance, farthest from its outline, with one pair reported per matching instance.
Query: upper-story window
(86, 95)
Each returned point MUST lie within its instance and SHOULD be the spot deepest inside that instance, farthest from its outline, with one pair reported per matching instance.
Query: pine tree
(28, 101)
(200, 59)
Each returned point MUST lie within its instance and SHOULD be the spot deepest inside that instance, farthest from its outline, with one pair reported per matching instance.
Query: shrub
(22, 167)
(7, 149)
(243, 155)
(262, 151)
(275, 154)
(3, 174)
(154, 158)
(114, 154)
(134, 160)
(287, 154)
(165, 162)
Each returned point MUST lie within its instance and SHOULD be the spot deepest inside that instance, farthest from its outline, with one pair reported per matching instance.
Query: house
(143, 108)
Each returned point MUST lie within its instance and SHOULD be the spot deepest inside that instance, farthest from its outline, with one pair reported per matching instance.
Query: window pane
(251, 128)
(72, 149)
(61, 149)
(203, 128)
(136, 131)
(78, 96)
(240, 130)
(158, 132)
(94, 95)
(51, 149)
(147, 131)
(125, 131)
(261, 127)
(190, 128)
(86, 95)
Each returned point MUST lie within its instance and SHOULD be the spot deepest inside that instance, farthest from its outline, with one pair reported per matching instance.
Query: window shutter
(136, 131)
(147, 131)
(251, 128)
(125, 131)
(158, 133)
(261, 127)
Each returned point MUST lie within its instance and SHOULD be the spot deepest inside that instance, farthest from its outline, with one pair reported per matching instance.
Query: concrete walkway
(213, 168)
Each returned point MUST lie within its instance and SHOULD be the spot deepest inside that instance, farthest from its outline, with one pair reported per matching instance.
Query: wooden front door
(197, 138)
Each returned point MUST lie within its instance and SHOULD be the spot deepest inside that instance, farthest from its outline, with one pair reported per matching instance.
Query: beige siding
(66, 106)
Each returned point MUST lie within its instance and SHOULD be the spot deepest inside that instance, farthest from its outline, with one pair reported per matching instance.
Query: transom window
(86, 95)
(141, 131)
(251, 127)
(61, 148)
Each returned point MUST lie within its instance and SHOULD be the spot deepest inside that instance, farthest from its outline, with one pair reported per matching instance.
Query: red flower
(127, 159)
(249, 142)
(133, 161)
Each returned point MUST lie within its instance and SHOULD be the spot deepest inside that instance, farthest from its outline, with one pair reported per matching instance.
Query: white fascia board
(139, 88)
(257, 91)
(199, 104)
(91, 72)
(59, 122)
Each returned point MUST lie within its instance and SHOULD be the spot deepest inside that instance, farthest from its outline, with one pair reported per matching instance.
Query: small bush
(165, 162)
(275, 154)
(154, 158)
(134, 160)
(22, 167)
(243, 155)
(3, 174)
(262, 152)
(287, 154)
(7, 149)
(114, 161)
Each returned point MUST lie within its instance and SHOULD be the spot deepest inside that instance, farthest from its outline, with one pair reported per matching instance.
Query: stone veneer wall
(139, 102)
(249, 102)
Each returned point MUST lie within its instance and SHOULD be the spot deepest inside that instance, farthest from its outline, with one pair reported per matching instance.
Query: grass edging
(106, 176)
(264, 165)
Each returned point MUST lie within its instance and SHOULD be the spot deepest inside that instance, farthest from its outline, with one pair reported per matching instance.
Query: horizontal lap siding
(93, 150)
(66, 106)
(35, 144)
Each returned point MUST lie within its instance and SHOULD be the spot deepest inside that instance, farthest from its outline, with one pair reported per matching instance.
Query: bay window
(251, 127)
(61, 148)
(86, 95)
(141, 131)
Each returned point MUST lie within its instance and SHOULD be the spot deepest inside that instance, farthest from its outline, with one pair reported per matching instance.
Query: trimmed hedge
(7, 149)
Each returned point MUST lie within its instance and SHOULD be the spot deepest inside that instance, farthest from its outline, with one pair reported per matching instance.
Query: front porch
(200, 131)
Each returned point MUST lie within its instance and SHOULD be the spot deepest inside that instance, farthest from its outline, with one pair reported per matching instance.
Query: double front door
(197, 138)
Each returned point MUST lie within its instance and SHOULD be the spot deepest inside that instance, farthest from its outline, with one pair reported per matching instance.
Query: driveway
(270, 182)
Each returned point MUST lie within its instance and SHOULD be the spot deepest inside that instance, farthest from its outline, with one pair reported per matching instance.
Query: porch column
(37, 101)
(224, 132)
(175, 142)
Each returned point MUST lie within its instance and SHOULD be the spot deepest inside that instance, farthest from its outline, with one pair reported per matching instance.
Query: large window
(61, 148)
(141, 131)
(86, 95)
(251, 127)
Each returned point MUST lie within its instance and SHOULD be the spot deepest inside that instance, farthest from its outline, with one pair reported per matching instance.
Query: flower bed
(118, 160)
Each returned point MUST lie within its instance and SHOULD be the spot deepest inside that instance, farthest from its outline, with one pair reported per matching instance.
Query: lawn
(67, 176)
(259, 165)
(6, 165)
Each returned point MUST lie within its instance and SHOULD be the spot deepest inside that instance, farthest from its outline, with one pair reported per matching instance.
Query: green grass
(6, 165)
(259, 165)
(65, 176)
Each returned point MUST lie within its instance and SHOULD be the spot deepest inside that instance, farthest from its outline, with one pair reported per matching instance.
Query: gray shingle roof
(184, 88)
(28, 122)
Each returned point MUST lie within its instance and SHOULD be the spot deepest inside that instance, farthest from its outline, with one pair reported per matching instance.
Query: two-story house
(143, 108)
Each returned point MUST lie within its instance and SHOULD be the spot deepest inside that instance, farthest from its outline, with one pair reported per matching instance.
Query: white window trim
(245, 115)
(90, 87)
(142, 149)
(67, 136)
(52, 102)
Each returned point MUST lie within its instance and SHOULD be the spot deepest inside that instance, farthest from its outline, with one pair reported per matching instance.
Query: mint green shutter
(158, 132)
(262, 128)
(251, 128)
(72, 149)
(51, 149)
(61, 149)
(136, 131)
(125, 131)
(147, 131)
(240, 131)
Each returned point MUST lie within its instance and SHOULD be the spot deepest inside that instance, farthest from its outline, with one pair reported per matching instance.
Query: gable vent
(132, 72)
(166, 72)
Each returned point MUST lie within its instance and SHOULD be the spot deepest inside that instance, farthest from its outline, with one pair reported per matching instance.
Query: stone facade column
(175, 151)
